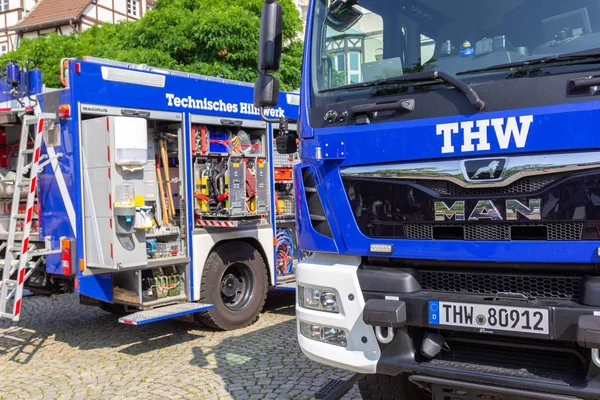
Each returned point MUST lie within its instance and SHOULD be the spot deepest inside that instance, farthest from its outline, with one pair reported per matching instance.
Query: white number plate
(503, 318)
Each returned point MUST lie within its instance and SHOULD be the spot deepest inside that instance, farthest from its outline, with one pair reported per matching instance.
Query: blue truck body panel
(61, 208)
(557, 128)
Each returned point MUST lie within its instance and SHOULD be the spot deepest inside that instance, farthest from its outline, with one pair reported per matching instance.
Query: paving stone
(77, 352)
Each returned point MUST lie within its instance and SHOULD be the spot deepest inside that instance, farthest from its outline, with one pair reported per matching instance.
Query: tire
(384, 387)
(116, 309)
(234, 280)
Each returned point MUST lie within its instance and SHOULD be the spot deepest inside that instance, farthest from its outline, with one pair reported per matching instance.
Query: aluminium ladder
(17, 266)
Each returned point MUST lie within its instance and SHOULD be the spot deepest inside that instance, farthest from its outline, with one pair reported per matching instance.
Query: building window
(354, 66)
(340, 63)
(3, 49)
(3, 5)
(132, 7)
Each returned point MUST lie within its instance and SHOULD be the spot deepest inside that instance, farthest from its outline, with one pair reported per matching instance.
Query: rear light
(65, 245)
(77, 68)
(64, 111)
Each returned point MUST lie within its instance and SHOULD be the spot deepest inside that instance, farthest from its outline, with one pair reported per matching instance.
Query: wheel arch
(254, 243)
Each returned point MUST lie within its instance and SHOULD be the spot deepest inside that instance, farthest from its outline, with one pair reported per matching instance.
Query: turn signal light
(64, 111)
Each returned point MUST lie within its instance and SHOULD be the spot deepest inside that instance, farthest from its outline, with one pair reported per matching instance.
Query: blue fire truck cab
(449, 191)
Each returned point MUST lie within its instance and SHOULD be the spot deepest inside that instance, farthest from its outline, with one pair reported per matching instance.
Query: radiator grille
(538, 286)
(525, 185)
(548, 231)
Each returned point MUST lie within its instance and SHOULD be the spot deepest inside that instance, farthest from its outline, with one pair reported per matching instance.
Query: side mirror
(342, 15)
(266, 91)
(269, 45)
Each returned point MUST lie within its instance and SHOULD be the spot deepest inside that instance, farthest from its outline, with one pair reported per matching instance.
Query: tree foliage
(209, 37)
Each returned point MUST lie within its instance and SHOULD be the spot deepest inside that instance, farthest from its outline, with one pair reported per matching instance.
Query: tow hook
(596, 357)
(432, 344)
(588, 335)
(387, 338)
(384, 315)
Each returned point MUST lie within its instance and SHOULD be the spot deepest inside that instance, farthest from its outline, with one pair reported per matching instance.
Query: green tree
(210, 37)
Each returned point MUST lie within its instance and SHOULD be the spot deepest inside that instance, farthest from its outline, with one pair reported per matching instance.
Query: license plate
(485, 317)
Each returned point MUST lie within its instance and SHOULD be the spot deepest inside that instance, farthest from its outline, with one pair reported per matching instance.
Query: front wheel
(235, 281)
(384, 387)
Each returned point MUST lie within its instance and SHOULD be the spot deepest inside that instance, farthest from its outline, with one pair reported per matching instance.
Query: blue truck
(151, 193)
(449, 192)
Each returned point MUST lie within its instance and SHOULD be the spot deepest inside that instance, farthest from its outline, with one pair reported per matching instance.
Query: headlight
(324, 334)
(324, 299)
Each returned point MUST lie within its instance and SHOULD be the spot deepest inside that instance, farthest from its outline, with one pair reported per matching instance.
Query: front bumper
(575, 373)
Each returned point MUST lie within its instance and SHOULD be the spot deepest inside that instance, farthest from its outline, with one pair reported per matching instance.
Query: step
(286, 286)
(335, 389)
(161, 313)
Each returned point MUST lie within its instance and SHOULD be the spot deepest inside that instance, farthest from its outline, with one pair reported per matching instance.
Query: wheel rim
(236, 286)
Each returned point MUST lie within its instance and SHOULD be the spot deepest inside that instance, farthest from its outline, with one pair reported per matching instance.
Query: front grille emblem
(484, 170)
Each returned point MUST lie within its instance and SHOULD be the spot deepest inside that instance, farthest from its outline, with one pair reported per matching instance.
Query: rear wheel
(384, 387)
(235, 281)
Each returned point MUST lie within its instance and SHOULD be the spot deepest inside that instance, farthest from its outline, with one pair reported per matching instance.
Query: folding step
(167, 312)
(335, 389)
(286, 286)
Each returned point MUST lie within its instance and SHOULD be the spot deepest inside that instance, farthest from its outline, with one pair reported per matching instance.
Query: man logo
(483, 169)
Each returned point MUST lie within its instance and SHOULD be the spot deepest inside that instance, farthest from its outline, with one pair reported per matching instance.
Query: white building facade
(32, 18)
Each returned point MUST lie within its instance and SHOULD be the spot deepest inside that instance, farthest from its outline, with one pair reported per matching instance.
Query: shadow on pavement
(88, 328)
(267, 362)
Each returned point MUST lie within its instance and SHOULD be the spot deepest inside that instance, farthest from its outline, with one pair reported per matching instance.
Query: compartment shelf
(167, 261)
(149, 304)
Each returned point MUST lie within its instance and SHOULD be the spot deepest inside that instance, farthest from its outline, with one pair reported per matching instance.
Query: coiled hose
(285, 251)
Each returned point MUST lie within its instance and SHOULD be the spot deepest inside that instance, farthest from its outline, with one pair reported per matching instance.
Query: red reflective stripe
(111, 251)
(109, 174)
(18, 307)
(108, 152)
(25, 246)
(110, 220)
(21, 275)
(127, 322)
(33, 183)
(16, 109)
(29, 215)
(107, 124)
(37, 155)
(110, 201)
(41, 126)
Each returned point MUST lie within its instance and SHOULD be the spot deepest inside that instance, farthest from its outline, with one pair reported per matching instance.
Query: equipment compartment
(143, 221)
(229, 139)
(231, 172)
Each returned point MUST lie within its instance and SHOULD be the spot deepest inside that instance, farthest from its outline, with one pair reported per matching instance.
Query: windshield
(397, 37)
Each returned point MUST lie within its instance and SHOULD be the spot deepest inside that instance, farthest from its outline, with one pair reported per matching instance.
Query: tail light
(64, 111)
(66, 256)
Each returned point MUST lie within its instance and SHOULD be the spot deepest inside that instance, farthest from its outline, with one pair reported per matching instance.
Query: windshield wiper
(587, 55)
(419, 78)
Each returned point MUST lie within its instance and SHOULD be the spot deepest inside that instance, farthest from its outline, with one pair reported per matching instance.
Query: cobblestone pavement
(64, 350)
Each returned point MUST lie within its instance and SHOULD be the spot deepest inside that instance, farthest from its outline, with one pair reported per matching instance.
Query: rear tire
(384, 387)
(235, 281)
